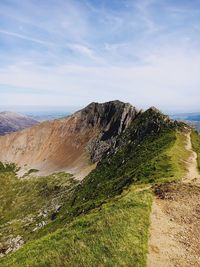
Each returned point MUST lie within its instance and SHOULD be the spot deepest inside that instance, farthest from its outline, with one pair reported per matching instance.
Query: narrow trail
(192, 175)
(175, 220)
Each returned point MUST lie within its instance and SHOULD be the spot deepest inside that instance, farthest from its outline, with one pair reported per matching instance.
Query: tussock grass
(178, 154)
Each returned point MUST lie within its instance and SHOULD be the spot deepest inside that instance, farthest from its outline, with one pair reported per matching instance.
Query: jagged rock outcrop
(113, 118)
(147, 123)
(13, 122)
(71, 143)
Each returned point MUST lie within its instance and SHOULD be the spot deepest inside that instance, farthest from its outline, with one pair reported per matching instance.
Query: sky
(73, 52)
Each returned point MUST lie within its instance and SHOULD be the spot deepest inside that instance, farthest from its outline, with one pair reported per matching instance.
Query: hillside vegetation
(103, 220)
(196, 146)
(115, 234)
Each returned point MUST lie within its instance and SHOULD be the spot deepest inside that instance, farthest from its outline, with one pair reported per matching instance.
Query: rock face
(72, 144)
(11, 245)
(113, 118)
(12, 122)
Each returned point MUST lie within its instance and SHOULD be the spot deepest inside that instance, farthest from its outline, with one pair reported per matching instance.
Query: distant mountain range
(194, 124)
(187, 116)
(46, 115)
(193, 119)
(13, 122)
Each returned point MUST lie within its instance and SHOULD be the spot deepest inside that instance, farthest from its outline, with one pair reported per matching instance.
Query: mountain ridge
(13, 122)
(103, 219)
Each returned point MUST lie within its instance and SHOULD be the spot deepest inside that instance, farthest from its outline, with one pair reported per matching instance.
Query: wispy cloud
(143, 51)
(23, 37)
(81, 49)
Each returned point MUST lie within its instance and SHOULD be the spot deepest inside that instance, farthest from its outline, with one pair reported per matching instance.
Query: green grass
(127, 166)
(114, 235)
(196, 146)
(178, 155)
(23, 199)
(104, 220)
(4, 168)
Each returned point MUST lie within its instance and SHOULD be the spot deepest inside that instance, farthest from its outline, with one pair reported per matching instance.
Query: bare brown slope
(69, 144)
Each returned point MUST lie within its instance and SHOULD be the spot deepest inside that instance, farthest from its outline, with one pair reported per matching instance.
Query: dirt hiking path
(192, 175)
(175, 220)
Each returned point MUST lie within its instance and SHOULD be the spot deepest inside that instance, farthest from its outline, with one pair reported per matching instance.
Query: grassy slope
(22, 201)
(196, 145)
(178, 154)
(106, 221)
(115, 235)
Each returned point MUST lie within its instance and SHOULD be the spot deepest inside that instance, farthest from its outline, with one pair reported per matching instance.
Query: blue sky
(70, 53)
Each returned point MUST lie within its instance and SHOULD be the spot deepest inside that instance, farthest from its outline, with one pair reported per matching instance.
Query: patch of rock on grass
(11, 245)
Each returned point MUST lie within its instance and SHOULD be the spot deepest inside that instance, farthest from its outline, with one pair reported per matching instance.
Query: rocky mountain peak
(112, 118)
(154, 109)
(157, 115)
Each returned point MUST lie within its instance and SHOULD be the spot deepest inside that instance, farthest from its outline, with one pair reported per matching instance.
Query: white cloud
(77, 52)
(27, 38)
(170, 78)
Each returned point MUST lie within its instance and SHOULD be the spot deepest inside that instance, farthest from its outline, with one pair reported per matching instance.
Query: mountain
(187, 116)
(103, 219)
(13, 122)
(192, 119)
(194, 124)
(73, 144)
(47, 115)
